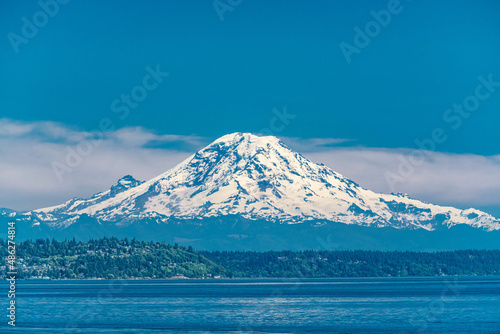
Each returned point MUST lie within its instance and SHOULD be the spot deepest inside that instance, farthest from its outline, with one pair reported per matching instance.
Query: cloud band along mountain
(248, 192)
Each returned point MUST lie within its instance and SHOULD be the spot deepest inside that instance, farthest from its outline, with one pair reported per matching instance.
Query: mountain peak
(124, 183)
(240, 137)
(127, 181)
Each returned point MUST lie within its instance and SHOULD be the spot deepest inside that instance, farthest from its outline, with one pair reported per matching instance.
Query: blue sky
(229, 75)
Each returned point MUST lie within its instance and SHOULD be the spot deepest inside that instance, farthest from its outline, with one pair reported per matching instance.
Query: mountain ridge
(258, 178)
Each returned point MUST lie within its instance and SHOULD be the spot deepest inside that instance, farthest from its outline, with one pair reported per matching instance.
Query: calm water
(368, 305)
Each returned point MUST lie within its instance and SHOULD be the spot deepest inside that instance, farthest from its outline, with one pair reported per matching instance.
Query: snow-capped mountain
(257, 178)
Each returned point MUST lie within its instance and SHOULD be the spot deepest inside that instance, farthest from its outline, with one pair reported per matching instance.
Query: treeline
(357, 263)
(108, 258)
(113, 258)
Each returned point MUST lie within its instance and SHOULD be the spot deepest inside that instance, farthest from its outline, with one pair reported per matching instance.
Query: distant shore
(111, 258)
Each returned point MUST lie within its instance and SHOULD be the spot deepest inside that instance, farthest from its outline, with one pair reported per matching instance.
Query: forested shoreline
(111, 258)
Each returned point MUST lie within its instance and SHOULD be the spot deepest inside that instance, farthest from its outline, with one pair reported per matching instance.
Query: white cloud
(28, 150)
(312, 144)
(447, 179)
(28, 180)
(12, 128)
(139, 136)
